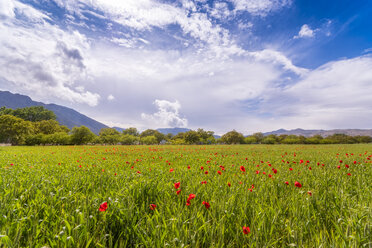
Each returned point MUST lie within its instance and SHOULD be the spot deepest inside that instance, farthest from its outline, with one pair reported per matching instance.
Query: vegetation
(186, 196)
(37, 126)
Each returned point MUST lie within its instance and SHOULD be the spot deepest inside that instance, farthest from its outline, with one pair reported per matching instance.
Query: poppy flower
(291, 169)
(188, 167)
(309, 193)
(152, 206)
(202, 168)
(298, 185)
(286, 182)
(206, 172)
(206, 204)
(242, 168)
(191, 196)
(338, 167)
(310, 168)
(347, 166)
(171, 170)
(355, 162)
(229, 184)
(349, 174)
(257, 172)
(275, 171)
(246, 229)
(219, 172)
(103, 207)
(178, 192)
(177, 185)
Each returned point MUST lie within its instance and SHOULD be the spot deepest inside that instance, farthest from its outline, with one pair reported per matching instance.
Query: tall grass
(50, 196)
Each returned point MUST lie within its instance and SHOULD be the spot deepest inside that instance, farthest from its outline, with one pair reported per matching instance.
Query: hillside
(65, 116)
(324, 133)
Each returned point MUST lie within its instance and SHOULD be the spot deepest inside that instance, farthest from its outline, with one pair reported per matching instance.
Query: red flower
(152, 206)
(103, 207)
(275, 171)
(171, 170)
(219, 172)
(310, 193)
(202, 168)
(246, 229)
(178, 192)
(177, 185)
(206, 204)
(229, 184)
(242, 168)
(286, 182)
(310, 168)
(298, 185)
(188, 167)
(349, 174)
(355, 162)
(347, 166)
(290, 169)
(191, 196)
(206, 172)
(338, 167)
(340, 161)
(270, 176)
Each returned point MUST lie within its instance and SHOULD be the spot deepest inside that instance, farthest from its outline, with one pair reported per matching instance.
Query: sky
(248, 65)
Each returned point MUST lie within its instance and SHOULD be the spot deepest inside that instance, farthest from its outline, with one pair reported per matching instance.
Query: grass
(50, 196)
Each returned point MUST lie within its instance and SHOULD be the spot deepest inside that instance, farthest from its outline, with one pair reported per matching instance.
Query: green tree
(109, 136)
(259, 136)
(232, 137)
(149, 140)
(48, 127)
(131, 131)
(34, 113)
(191, 137)
(270, 139)
(151, 132)
(14, 130)
(81, 135)
(128, 139)
(250, 140)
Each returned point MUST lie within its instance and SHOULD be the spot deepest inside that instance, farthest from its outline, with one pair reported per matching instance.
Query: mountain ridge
(65, 116)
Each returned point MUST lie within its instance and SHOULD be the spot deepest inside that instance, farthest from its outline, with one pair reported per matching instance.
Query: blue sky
(247, 65)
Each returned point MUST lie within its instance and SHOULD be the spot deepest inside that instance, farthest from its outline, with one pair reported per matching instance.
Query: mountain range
(70, 118)
(65, 116)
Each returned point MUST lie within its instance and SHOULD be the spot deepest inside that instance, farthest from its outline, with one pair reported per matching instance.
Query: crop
(186, 196)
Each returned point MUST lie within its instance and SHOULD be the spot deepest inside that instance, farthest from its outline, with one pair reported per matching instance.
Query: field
(186, 196)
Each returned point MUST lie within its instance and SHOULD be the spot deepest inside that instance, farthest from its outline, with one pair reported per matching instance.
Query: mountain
(324, 133)
(65, 116)
(174, 130)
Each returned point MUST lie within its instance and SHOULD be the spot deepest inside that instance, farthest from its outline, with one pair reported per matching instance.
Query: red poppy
(355, 162)
(310, 168)
(191, 196)
(347, 166)
(246, 229)
(152, 206)
(177, 185)
(291, 169)
(178, 192)
(171, 170)
(103, 207)
(188, 167)
(229, 184)
(286, 182)
(257, 172)
(349, 174)
(206, 172)
(275, 171)
(270, 176)
(219, 172)
(206, 204)
(298, 185)
(338, 167)
(242, 168)
(309, 193)
(202, 168)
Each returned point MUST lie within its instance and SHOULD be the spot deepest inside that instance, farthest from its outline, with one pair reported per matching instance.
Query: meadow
(186, 196)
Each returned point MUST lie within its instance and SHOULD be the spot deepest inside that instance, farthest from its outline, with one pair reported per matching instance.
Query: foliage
(131, 131)
(34, 113)
(232, 137)
(81, 135)
(109, 136)
(14, 130)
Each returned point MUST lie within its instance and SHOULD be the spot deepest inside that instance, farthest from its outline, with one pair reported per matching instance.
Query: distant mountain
(65, 116)
(119, 129)
(324, 133)
(174, 130)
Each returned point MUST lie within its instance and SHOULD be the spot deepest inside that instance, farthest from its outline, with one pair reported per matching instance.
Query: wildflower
(298, 185)
(246, 229)
(206, 204)
(177, 185)
(103, 207)
(242, 168)
(152, 206)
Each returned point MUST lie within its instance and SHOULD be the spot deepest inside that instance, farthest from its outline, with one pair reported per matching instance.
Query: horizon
(218, 65)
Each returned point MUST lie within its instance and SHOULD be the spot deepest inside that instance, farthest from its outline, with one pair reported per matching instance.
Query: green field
(51, 196)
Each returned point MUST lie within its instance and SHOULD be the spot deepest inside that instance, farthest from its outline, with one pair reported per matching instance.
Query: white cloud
(43, 59)
(110, 97)
(260, 7)
(167, 114)
(305, 32)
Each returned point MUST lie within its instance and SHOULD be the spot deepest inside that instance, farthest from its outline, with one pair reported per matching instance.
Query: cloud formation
(167, 114)
(305, 32)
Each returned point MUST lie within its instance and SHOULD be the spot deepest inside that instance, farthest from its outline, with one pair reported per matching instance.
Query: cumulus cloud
(41, 59)
(167, 114)
(305, 32)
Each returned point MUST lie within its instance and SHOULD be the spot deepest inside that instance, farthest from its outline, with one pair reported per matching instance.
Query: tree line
(38, 126)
